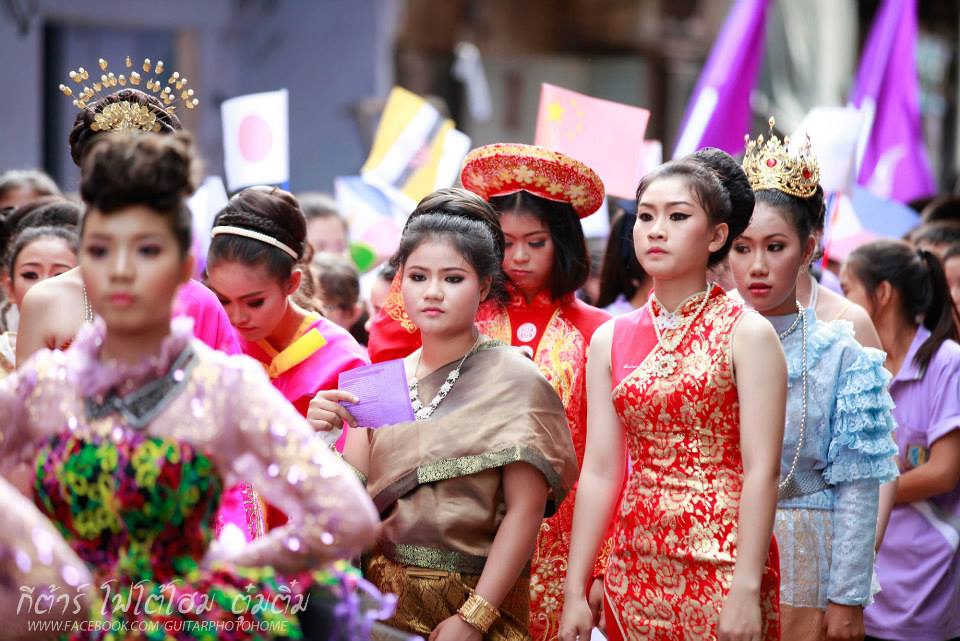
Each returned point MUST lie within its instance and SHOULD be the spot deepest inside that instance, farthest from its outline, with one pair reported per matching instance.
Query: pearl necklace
(667, 361)
(793, 325)
(802, 320)
(423, 413)
(87, 309)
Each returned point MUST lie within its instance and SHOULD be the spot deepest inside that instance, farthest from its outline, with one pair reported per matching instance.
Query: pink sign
(607, 136)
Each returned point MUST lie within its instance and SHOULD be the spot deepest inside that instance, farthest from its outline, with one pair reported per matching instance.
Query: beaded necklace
(422, 412)
(87, 309)
(802, 321)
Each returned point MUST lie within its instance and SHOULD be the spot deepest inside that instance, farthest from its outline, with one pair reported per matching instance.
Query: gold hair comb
(126, 114)
(770, 165)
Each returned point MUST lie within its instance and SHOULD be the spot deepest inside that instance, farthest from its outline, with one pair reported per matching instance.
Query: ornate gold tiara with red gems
(770, 165)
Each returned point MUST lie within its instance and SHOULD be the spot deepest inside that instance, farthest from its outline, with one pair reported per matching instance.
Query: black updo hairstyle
(468, 223)
(82, 136)
(267, 210)
(54, 211)
(139, 168)
(720, 187)
(806, 215)
(917, 276)
(49, 210)
(571, 259)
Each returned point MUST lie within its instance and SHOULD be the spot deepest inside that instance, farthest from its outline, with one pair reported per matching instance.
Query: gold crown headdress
(125, 114)
(770, 165)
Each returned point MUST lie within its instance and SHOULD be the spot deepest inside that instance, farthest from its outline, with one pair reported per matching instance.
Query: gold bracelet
(478, 613)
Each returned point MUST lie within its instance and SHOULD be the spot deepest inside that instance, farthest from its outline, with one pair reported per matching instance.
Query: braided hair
(267, 210)
(469, 223)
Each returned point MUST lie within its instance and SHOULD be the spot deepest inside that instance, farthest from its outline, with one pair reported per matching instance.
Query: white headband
(249, 233)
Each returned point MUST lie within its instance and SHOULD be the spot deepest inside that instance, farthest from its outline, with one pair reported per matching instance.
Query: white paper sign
(834, 133)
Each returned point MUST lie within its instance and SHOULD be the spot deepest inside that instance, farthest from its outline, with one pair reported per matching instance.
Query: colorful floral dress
(675, 540)
(557, 334)
(130, 461)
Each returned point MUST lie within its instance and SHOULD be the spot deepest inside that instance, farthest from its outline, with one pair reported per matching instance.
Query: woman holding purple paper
(463, 488)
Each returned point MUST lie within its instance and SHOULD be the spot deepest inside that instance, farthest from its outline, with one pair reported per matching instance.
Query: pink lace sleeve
(268, 444)
(40, 576)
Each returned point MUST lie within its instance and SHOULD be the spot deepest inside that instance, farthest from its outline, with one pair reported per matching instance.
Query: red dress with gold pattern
(675, 540)
(557, 332)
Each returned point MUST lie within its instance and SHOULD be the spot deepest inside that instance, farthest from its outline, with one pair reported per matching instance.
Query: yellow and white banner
(415, 151)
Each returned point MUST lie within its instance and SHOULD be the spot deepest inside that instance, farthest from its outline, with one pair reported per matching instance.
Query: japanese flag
(256, 146)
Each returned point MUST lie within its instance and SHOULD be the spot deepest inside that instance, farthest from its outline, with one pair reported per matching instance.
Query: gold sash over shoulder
(438, 483)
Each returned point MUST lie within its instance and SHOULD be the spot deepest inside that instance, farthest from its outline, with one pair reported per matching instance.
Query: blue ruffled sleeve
(860, 457)
(862, 445)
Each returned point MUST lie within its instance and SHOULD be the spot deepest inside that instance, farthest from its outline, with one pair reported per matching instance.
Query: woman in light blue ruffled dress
(838, 445)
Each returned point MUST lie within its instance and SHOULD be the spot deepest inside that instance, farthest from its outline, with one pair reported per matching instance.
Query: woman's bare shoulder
(832, 306)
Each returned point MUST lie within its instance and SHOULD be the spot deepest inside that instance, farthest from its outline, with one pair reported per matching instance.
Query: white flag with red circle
(256, 139)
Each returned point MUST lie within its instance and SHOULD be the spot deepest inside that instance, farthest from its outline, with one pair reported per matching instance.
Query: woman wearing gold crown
(694, 388)
(540, 196)
(134, 429)
(837, 446)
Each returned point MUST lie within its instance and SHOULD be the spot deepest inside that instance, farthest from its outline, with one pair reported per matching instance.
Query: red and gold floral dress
(557, 333)
(675, 539)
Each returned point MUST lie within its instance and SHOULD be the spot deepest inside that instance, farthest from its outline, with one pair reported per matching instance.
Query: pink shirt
(210, 322)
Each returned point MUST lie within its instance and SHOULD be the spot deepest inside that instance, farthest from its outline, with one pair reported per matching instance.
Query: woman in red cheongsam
(698, 396)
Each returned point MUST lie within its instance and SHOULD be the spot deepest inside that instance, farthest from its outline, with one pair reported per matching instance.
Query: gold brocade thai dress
(438, 485)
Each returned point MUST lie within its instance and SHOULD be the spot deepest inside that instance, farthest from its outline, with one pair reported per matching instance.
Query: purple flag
(894, 163)
(718, 114)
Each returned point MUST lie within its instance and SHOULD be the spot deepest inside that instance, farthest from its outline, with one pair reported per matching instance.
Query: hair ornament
(126, 114)
(231, 230)
(506, 168)
(770, 165)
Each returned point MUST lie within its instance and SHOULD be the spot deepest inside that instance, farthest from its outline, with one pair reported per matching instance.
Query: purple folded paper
(383, 392)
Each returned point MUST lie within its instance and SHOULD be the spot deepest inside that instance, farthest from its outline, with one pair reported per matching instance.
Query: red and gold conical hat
(506, 168)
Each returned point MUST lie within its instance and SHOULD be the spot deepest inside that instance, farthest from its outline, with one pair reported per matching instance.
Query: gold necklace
(667, 361)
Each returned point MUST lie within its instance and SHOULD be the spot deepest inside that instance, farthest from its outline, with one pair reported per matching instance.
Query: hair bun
(735, 181)
(125, 168)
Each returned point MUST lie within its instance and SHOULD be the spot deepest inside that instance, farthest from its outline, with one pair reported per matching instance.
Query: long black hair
(918, 277)
(621, 272)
